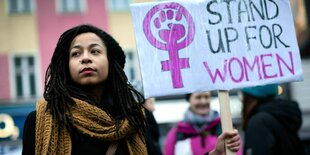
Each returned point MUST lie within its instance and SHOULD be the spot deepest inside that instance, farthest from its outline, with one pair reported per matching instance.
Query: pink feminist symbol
(174, 37)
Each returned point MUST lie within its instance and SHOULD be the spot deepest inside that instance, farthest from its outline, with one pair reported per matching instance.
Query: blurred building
(18, 50)
(29, 32)
(299, 91)
(19, 69)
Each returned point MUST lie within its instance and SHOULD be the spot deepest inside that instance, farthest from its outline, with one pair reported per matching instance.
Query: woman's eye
(75, 54)
(95, 51)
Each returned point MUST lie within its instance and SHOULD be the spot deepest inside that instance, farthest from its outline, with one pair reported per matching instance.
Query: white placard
(189, 46)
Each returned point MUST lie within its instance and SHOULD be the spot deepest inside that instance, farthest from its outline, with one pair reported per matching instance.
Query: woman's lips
(87, 71)
(203, 106)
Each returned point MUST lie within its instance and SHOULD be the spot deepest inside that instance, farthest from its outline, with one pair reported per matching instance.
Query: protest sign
(189, 46)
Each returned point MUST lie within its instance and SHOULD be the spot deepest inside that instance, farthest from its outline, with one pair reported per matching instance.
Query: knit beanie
(262, 91)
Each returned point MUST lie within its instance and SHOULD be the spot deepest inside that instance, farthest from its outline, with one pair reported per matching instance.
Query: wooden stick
(225, 113)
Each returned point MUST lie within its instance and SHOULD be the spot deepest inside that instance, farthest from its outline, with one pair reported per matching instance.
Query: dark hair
(125, 101)
(250, 103)
(187, 96)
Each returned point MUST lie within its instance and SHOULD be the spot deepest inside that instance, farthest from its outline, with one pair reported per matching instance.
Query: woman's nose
(85, 58)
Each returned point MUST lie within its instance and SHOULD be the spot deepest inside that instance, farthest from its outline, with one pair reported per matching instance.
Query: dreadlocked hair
(60, 90)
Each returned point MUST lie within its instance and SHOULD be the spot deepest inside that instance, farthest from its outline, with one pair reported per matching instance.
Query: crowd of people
(89, 107)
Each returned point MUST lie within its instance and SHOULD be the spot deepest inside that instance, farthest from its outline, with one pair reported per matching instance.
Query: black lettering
(220, 43)
(248, 37)
(264, 37)
(229, 40)
(240, 12)
(213, 13)
(276, 9)
(228, 9)
(259, 12)
(277, 36)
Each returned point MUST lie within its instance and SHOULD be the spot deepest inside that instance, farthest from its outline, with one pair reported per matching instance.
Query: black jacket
(273, 129)
(81, 144)
(153, 133)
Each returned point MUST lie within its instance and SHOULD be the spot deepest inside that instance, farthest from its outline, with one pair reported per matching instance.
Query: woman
(89, 107)
(197, 132)
(270, 124)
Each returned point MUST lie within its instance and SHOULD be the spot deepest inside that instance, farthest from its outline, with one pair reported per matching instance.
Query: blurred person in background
(271, 124)
(198, 131)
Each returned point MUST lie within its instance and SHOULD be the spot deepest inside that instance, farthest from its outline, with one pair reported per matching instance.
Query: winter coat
(272, 129)
(185, 139)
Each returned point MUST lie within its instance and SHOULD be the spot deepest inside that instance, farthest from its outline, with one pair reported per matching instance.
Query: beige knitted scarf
(52, 138)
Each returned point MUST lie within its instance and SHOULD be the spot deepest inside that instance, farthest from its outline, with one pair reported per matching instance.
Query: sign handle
(226, 119)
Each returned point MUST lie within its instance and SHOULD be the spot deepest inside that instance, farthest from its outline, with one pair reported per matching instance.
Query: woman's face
(200, 103)
(88, 61)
